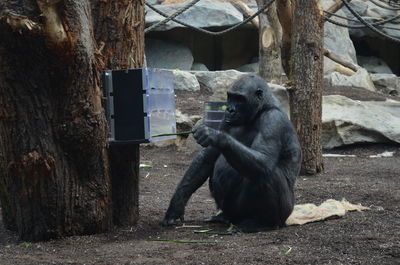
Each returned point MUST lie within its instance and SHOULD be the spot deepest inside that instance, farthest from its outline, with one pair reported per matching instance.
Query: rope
(360, 26)
(384, 7)
(168, 18)
(213, 33)
(371, 27)
(336, 23)
(366, 24)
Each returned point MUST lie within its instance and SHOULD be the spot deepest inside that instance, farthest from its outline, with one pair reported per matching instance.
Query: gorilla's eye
(259, 93)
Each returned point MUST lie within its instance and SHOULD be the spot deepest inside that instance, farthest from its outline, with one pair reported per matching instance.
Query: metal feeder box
(140, 105)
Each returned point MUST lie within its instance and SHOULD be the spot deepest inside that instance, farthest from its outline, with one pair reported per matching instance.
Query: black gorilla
(252, 162)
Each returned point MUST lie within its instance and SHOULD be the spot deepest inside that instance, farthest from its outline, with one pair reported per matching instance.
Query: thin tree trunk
(307, 72)
(123, 49)
(270, 36)
(54, 166)
(285, 15)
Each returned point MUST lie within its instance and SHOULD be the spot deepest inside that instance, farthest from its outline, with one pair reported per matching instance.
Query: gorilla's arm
(199, 170)
(263, 156)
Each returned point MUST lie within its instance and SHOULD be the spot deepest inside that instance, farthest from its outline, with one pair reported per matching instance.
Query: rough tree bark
(284, 11)
(270, 36)
(54, 165)
(307, 73)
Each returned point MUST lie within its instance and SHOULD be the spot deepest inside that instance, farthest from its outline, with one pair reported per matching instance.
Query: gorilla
(252, 162)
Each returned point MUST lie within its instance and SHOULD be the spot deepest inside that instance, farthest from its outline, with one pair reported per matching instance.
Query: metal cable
(384, 7)
(371, 27)
(213, 33)
(171, 17)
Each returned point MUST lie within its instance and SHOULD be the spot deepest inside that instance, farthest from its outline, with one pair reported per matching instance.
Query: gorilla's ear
(259, 93)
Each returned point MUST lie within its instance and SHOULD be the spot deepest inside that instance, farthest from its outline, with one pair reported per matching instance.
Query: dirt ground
(368, 237)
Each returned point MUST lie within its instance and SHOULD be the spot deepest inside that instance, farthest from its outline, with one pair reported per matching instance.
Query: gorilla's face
(237, 109)
(246, 98)
(242, 108)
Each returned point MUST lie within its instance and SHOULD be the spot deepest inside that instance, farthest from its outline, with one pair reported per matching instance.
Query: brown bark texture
(284, 11)
(54, 166)
(270, 36)
(307, 73)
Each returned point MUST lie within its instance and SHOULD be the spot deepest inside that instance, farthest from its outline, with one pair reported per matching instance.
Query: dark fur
(252, 162)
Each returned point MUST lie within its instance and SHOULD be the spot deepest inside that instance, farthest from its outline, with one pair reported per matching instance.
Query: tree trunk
(307, 73)
(285, 15)
(123, 49)
(270, 36)
(54, 166)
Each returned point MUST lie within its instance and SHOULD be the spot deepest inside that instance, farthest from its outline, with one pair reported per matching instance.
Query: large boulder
(185, 81)
(199, 67)
(217, 82)
(168, 55)
(282, 95)
(368, 11)
(374, 65)
(347, 121)
(249, 68)
(360, 79)
(387, 83)
(337, 40)
(204, 14)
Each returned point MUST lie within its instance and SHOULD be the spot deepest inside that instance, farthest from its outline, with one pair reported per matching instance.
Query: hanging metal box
(140, 105)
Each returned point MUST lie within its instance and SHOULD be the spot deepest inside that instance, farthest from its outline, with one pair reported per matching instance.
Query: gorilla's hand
(205, 136)
(172, 215)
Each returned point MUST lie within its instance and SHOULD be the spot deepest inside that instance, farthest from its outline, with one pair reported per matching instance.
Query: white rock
(185, 81)
(387, 83)
(346, 121)
(360, 79)
(217, 81)
(206, 13)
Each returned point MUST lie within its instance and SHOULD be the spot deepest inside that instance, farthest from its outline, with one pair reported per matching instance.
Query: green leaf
(189, 226)
(26, 244)
(288, 251)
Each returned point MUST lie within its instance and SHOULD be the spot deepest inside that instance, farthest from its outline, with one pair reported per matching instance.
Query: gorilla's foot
(250, 226)
(218, 218)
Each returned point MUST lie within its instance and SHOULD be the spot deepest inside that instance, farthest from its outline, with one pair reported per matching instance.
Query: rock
(369, 10)
(204, 14)
(168, 55)
(199, 67)
(391, 30)
(281, 94)
(186, 81)
(185, 122)
(387, 83)
(337, 40)
(218, 82)
(249, 68)
(374, 65)
(360, 79)
(346, 121)
(154, 2)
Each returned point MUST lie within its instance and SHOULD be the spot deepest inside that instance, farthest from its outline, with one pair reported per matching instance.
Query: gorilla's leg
(218, 218)
(251, 226)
